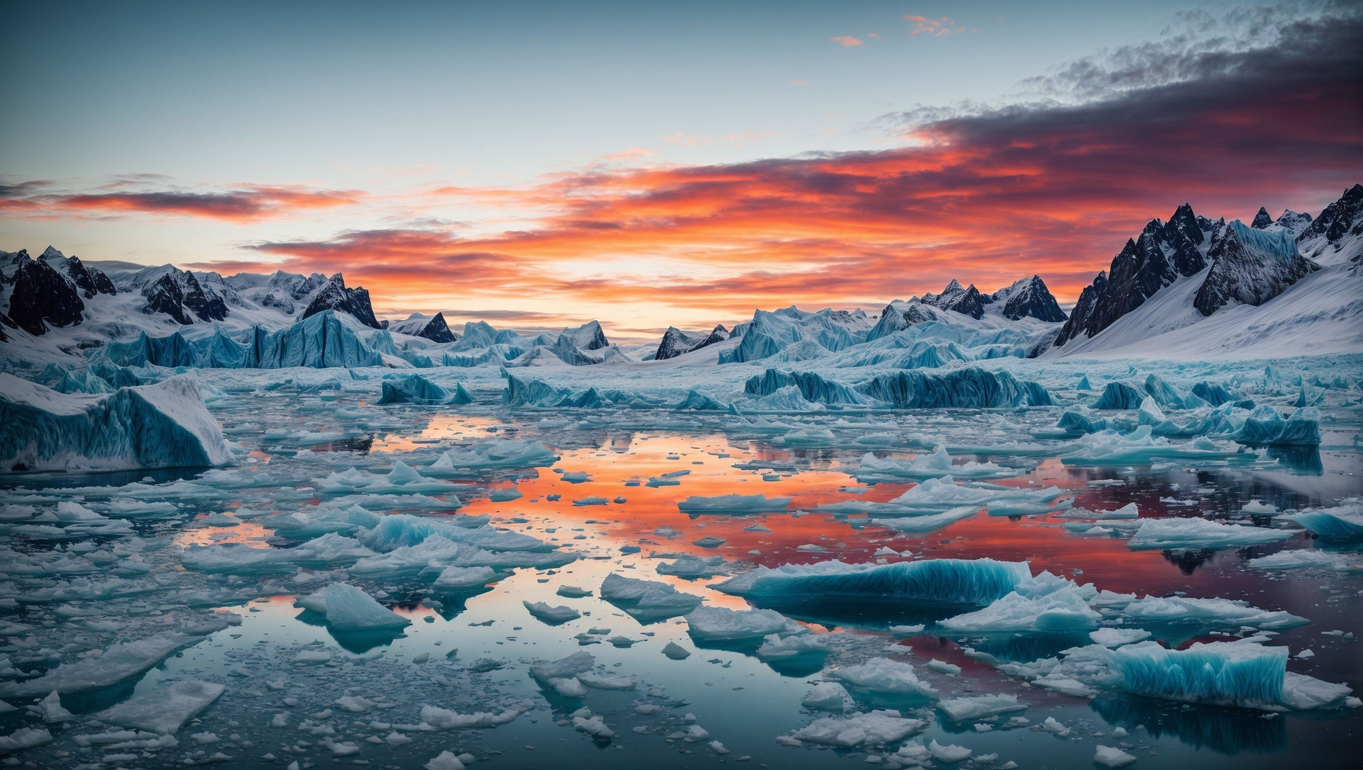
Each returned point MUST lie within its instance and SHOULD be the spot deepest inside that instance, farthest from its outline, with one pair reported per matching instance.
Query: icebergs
(811, 387)
(877, 728)
(165, 425)
(1116, 637)
(827, 696)
(416, 389)
(973, 708)
(401, 480)
(398, 530)
(941, 494)
(1242, 673)
(971, 388)
(1119, 395)
(1343, 523)
(1208, 613)
(719, 624)
(1140, 447)
(1200, 533)
(758, 503)
(1265, 426)
(956, 581)
(551, 615)
(242, 559)
(119, 663)
(1303, 558)
(454, 578)
(348, 608)
(647, 600)
(166, 709)
(882, 675)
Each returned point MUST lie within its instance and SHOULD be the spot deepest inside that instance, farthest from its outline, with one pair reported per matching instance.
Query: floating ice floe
(401, 480)
(1185, 610)
(827, 696)
(928, 523)
(775, 647)
(166, 709)
(931, 465)
(882, 675)
(1116, 637)
(1140, 447)
(957, 581)
(1305, 558)
(941, 494)
(348, 608)
(719, 624)
(165, 425)
(1243, 674)
(877, 728)
(1200, 533)
(976, 707)
(243, 559)
(444, 719)
(970, 388)
(694, 567)
(1343, 523)
(492, 455)
(1128, 511)
(1036, 609)
(1265, 426)
(398, 530)
(551, 615)
(561, 675)
(733, 504)
(647, 600)
(119, 663)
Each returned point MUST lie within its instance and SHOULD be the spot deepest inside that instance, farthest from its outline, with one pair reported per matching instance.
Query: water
(741, 701)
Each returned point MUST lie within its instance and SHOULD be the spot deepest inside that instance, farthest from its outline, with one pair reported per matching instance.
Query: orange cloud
(242, 204)
(943, 27)
(846, 41)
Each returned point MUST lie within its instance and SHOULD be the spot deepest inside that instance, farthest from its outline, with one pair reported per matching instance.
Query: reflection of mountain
(1225, 731)
(1188, 561)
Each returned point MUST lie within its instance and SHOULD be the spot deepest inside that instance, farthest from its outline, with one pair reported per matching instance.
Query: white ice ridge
(882, 675)
(962, 581)
(1200, 533)
(445, 719)
(166, 709)
(877, 728)
(1039, 609)
(165, 425)
(1140, 447)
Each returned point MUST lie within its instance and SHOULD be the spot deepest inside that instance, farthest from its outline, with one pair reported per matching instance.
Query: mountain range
(1187, 285)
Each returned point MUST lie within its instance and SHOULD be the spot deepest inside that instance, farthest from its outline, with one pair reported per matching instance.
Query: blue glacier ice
(955, 581)
(964, 388)
(1343, 523)
(165, 425)
(403, 529)
(699, 402)
(415, 389)
(812, 387)
(1119, 395)
(1265, 426)
(1241, 673)
(319, 341)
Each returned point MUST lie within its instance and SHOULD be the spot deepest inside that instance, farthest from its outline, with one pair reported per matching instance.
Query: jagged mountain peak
(1261, 220)
(333, 295)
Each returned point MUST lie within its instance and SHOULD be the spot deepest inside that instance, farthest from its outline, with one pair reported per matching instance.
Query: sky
(654, 164)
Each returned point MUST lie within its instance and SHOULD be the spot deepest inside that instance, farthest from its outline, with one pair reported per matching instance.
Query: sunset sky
(538, 164)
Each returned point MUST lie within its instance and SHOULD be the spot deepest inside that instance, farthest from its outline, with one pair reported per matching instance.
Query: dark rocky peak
(1184, 221)
(1342, 218)
(676, 342)
(90, 280)
(164, 296)
(968, 300)
(1261, 220)
(43, 296)
(178, 293)
(333, 295)
(1249, 266)
(205, 303)
(9, 264)
(1084, 310)
(432, 328)
(1029, 297)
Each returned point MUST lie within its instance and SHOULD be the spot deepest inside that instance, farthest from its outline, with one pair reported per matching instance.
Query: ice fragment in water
(827, 696)
(351, 609)
(119, 663)
(1343, 523)
(874, 729)
(733, 504)
(1200, 533)
(975, 707)
(882, 675)
(1111, 756)
(964, 581)
(719, 624)
(551, 615)
(165, 710)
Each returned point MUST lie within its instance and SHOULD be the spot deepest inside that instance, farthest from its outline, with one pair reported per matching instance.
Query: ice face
(351, 609)
(1343, 523)
(165, 425)
(719, 624)
(1063, 610)
(957, 581)
(1242, 674)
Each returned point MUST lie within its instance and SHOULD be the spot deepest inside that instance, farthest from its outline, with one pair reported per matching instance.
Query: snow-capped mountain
(1284, 287)
(432, 328)
(675, 342)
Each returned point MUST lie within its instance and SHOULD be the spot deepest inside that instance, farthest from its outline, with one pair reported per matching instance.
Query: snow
(165, 425)
(1110, 756)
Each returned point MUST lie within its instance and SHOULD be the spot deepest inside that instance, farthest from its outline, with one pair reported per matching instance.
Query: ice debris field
(1005, 563)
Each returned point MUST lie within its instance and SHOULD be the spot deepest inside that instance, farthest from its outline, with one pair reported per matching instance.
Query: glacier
(165, 425)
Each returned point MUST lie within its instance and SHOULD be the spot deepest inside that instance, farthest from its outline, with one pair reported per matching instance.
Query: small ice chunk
(551, 615)
(942, 667)
(445, 761)
(827, 696)
(1111, 756)
(1116, 637)
(882, 675)
(971, 708)
(676, 651)
(948, 754)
